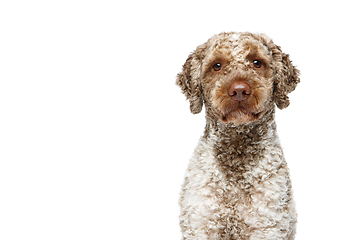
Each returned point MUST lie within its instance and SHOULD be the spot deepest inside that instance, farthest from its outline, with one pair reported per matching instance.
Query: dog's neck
(238, 148)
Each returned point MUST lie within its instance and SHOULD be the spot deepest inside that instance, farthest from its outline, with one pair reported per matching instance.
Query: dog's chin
(239, 116)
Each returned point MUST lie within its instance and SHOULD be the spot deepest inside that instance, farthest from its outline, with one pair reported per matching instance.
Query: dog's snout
(239, 91)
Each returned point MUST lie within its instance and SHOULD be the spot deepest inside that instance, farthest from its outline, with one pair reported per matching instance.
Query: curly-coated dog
(237, 184)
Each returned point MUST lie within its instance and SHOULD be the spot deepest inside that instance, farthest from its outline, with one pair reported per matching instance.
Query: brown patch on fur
(189, 79)
(286, 81)
(239, 148)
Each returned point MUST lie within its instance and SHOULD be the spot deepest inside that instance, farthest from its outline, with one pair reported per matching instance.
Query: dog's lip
(239, 108)
(229, 112)
(242, 110)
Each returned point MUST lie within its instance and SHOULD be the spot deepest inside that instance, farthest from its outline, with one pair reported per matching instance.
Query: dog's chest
(255, 197)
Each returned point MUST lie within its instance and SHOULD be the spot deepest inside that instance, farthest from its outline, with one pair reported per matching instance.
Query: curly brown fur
(237, 185)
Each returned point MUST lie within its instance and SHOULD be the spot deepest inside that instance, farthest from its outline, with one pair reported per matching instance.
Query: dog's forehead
(238, 44)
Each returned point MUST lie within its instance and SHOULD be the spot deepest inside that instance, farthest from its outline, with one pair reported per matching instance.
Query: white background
(95, 136)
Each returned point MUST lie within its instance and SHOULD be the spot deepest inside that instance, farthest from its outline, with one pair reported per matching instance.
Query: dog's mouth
(239, 115)
(237, 111)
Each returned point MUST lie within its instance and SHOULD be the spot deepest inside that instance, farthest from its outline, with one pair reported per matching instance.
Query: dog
(237, 185)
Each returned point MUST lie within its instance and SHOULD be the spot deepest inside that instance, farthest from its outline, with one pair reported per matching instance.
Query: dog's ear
(189, 79)
(286, 79)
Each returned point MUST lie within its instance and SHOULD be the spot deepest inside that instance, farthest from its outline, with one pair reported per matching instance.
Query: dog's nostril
(246, 92)
(239, 91)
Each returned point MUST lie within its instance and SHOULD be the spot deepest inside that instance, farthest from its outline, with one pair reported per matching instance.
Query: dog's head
(238, 76)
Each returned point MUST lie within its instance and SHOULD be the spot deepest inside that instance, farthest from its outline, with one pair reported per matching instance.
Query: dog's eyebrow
(266, 46)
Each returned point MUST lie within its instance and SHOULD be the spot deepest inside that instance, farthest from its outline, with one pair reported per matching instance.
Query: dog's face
(238, 76)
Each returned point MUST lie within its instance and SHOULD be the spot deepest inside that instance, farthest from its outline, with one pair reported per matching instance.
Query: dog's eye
(257, 64)
(217, 67)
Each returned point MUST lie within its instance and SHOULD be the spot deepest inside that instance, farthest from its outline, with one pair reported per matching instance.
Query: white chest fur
(214, 206)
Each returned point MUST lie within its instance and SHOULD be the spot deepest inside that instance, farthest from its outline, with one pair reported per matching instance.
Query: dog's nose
(239, 91)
